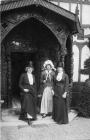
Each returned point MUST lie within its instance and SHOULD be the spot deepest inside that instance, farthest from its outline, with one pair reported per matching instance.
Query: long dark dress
(29, 100)
(60, 113)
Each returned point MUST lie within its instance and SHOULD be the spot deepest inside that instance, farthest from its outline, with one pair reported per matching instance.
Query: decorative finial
(77, 10)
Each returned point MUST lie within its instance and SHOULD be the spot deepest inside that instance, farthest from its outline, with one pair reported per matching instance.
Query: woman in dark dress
(28, 89)
(60, 113)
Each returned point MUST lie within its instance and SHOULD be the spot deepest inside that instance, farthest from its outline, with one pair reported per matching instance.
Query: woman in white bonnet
(47, 81)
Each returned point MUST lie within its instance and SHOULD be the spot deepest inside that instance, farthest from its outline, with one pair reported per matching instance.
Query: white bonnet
(49, 62)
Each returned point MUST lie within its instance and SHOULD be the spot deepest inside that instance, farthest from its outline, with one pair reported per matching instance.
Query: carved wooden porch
(57, 22)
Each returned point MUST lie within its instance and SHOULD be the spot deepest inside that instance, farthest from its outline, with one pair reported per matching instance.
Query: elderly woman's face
(59, 69)
(30, 70)
(48, 67)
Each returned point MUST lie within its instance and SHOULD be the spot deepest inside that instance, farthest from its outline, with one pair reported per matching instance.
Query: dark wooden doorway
(19, 61)
(30, 40)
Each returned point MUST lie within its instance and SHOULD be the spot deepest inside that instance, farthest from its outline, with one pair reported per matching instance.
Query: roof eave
(22, 3)
(46, 4)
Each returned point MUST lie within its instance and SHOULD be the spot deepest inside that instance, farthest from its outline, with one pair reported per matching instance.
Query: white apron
(47, 101)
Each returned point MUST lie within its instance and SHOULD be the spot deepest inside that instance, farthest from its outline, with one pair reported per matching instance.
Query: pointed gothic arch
(58, 21)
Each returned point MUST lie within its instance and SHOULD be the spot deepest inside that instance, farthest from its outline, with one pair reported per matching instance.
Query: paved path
(78, 129)
(44, 129)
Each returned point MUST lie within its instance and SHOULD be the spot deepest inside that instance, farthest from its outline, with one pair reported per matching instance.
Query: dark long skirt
(22, 113)
(29, 105)
(60, 114)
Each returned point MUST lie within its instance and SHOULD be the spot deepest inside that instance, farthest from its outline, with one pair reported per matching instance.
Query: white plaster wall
(84, 55)
(76, 63)
(64, 5)
(73, 8)
(86, 14)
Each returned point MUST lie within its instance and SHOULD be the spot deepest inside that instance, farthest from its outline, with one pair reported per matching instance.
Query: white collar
(30, 78)
(48, 71)
(59, 76)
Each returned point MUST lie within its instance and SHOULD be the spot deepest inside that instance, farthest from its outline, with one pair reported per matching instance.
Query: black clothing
(60, 113)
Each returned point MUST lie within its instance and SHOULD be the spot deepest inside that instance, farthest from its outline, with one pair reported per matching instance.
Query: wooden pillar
(63, 49)
(69, 6)
(1, 101)
(63, 53)
(71, 78)
(81, 12)
(8, 75)
(9, 81)
(80, 46)
(0, 77)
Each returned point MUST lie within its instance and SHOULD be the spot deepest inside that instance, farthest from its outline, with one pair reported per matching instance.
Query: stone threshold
(9, 118)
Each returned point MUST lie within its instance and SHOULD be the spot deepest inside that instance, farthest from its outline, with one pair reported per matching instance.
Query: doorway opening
(18, 63)
(29, 41)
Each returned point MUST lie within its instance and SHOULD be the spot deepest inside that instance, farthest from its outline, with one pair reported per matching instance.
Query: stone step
(10, 118)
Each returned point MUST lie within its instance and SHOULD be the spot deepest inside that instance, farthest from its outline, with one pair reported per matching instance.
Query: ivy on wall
(84, 104)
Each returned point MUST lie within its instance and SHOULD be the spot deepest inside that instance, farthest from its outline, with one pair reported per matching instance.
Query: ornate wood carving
(56, 29)
(69, 67)
(71, 73)
(8, 74)
(55, 25)
(44, 3)
(60, 30)
(4, 76)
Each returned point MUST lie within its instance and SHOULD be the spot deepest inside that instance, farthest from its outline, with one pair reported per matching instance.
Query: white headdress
(49, 62)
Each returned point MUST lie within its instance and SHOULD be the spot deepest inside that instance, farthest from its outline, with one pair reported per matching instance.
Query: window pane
(75, 63)
(86, 31)
(85, 55)
(64, 5)
(85, 14)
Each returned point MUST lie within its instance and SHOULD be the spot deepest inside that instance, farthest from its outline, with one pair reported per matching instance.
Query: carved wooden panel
(58, 28)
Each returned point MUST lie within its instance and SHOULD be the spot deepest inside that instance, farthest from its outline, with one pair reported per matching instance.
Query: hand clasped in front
(26, 90)
(64, 95)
